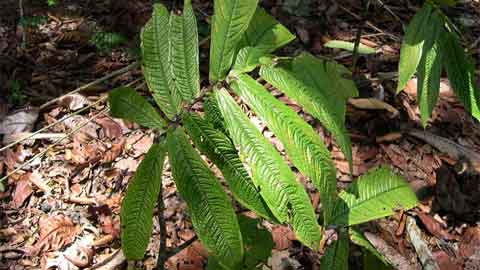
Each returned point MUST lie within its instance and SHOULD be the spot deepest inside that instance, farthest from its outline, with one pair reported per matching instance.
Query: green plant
(107, 41)
(16, 96)
(431, 44)
(244, 37)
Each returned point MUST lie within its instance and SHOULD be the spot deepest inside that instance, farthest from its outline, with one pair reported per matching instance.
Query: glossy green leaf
(209, 207)
(127, 104)
(302, 144)
(185, 54)
(286, 198)
(248, 58)
(377, 194)
(265, 33)
(157, 58)
(137, 207)
(230, 21)
(321, 89)
(336, 255)
(461, 72)
(411, 51)
(221, 151)
(349, 46)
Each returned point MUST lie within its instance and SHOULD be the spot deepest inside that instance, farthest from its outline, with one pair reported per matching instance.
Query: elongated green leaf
(460, 72)
(137, 207)
(156, 55)
(336, 255)
(213, 114)
(221, 151)
(286, 198)
(377, 194)
(248, 58)
(349, 46)
(428, 88)
(126, 103)
(302, 143)
(185, 53)
(360, 240)
(209, 207)
(265, 33)
(316, 97)
(230, 20)
(411, 51)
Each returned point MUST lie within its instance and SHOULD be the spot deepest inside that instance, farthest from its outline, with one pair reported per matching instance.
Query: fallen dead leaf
(110, 128)
(23, 190)
(470, 242)
(373, 104)
(55, 232)
(74, 102)
(20, 121)
(435, 228)
(37, 179)
(282, 237)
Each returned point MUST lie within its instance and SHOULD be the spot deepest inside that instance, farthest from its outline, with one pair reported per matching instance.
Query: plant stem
(357, 39)
(162, 252)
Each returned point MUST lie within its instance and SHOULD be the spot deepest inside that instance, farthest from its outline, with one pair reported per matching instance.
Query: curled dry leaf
(18, 122)
(55, 232)
(470, 242)
(37, 179)
(110, 128)
(282, 237)
(23, 190)
(111, 154)
(74, 102)
(90, 129)
(373, 104)
(435, 228)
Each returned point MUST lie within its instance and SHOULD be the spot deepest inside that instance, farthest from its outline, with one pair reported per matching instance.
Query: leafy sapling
(243, 39)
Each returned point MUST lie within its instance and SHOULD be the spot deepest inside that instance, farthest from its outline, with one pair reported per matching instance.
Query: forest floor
(61, 201)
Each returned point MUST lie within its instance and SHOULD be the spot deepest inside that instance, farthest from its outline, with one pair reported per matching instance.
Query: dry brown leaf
(74, 102)
(373, 104)
(470, 242)
(23, 190)
(282, 237)
(110, 128)
(55, 232)
(20, 121)
(435, 228)
(37, 179)
(114, 152)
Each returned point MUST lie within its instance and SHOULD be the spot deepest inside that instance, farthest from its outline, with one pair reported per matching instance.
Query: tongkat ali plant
(243, 38)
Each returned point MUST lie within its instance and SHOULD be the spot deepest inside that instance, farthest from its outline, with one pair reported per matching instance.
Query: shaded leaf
(411, 51)
(137, 207)
(336, 255)
(209, 207)
(213, 114)
(461, 72)
(126, 103)
(286, 198)
(359, 239)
